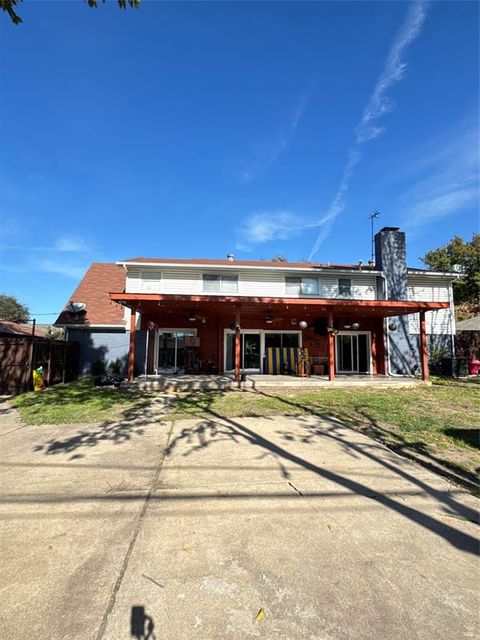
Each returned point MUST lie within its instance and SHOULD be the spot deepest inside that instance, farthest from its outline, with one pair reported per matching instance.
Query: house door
(353, 352)
(250, 351)
(171, 350)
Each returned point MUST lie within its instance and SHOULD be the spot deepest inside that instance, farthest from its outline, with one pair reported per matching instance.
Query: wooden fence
(19, 355)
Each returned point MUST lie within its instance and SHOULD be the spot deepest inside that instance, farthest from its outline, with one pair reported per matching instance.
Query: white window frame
(162, 330)
(369, 346)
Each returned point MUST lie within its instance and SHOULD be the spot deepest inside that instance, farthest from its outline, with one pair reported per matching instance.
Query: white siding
(151, 281)
(425, 289)
(250, 283)
(363, 287)
(181, 281)
(134, 280)
(265, 284)
(439, 322)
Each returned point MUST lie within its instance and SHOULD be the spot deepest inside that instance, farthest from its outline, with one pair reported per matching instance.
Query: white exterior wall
(263, 283)
(439, 322)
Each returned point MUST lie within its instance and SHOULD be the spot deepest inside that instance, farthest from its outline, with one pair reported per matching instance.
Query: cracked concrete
(197, 529)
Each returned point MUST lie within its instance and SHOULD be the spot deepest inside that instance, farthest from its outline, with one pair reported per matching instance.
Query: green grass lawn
(438, 424)
(78, 402)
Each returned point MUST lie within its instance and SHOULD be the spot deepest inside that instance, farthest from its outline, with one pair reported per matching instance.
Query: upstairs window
(301, 286)
(292, 286)
(310, 286)
(220, 283)
(345, 288)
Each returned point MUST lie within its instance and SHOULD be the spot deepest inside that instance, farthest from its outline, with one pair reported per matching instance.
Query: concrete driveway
(141, 529)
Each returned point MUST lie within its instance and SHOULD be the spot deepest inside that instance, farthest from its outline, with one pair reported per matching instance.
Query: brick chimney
(391, 258)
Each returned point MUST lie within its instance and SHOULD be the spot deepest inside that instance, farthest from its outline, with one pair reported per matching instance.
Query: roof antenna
(373, 217)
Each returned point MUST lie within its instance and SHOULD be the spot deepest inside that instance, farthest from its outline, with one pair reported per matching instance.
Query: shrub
(98, 367)
(115, 367)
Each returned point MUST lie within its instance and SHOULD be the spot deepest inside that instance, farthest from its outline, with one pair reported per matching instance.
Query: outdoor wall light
(346, 325)
(392, 326)
(192, 317)
(355, 326)
(302, 324)
(269, 320)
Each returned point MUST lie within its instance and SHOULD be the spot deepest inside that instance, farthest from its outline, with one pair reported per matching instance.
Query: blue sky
(198, 129)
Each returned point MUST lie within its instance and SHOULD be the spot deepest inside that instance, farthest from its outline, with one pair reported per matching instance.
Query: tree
(12, 309)
(9, 7)
(461, 257)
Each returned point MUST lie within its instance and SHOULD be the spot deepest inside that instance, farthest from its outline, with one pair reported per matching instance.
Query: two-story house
(378, 318)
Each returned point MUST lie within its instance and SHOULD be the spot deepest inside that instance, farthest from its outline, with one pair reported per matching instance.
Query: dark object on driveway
(108, 380)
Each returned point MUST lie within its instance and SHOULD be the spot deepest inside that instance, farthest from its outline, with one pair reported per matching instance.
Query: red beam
(131, 350)
(399, 306)
(331, 348)
(237, 344)
(381, 365)
(423, 345)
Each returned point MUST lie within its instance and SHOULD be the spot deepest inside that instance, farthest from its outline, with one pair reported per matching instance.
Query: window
(345, 288)
(217, 283)
(292, 286)
(310, 286)
(305, 286)
(281, 340)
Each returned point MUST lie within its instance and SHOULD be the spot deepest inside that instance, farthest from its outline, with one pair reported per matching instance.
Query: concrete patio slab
(114, 531)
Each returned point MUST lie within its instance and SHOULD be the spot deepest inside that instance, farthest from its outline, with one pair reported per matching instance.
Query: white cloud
(379, 103)
(377, 106)
(61, 268)
(266, 226)
(63, 244)
(270, 151)
(71, 244)
(448, 179)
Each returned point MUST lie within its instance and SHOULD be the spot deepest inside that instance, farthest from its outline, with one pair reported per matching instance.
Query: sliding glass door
(250, 351)
(353, 352)
(171, 350)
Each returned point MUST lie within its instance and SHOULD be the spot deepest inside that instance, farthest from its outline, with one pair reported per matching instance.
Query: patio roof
(151, 303)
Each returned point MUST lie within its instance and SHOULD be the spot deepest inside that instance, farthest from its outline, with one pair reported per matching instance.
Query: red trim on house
(381, 308)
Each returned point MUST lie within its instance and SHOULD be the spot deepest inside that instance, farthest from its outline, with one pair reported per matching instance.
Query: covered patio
(220, 323)
(252, 382)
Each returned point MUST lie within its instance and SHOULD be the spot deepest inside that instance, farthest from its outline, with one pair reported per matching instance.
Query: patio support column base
(331, 348)
(131, 349)
(423, 346)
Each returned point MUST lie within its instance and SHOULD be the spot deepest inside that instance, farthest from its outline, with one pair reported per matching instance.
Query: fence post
(30, 356)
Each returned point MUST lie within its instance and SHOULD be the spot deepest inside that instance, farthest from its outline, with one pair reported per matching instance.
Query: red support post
(423, 345)
(381, 364)
(131, 350)
(331, 348)
(237, 344)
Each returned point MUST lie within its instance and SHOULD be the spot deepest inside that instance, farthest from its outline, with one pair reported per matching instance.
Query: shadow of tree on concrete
(204, 434)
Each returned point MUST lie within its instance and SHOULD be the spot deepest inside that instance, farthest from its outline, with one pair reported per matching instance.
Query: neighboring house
(353, 318)
(468, 338)
(9, 328)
